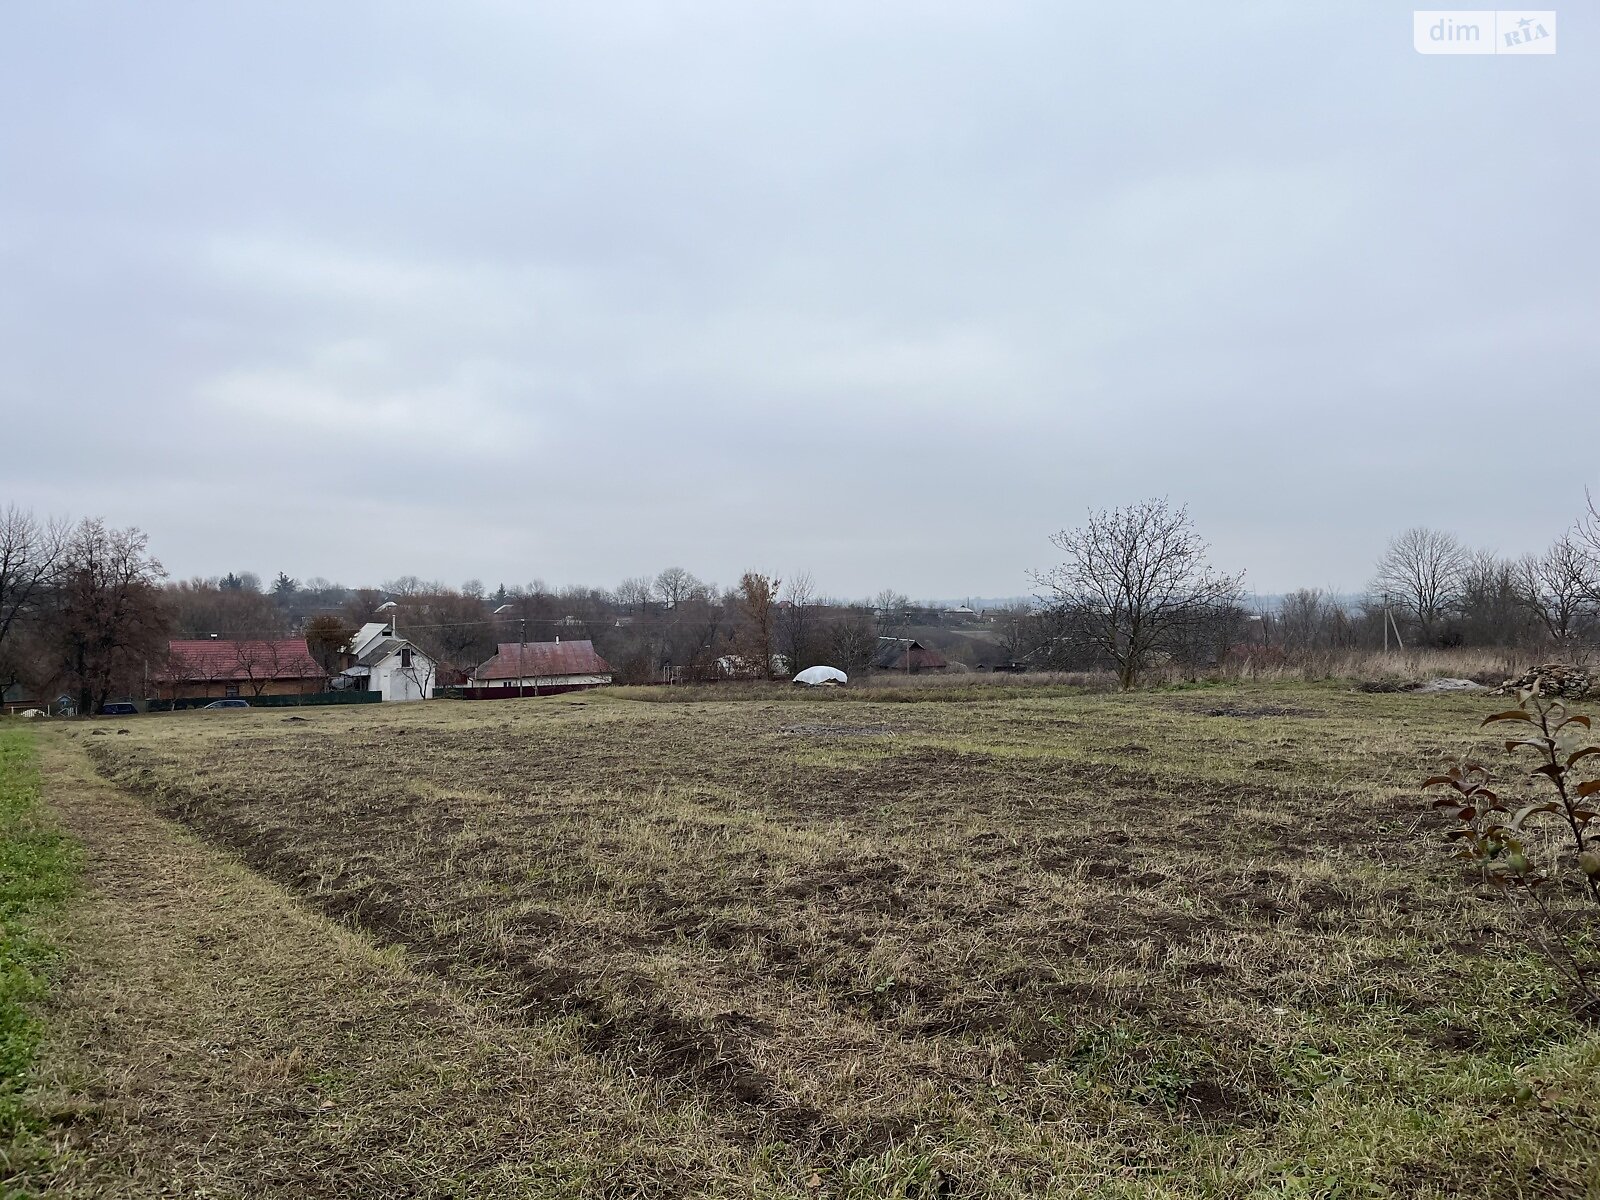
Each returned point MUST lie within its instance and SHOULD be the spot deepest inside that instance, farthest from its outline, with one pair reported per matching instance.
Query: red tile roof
(542, 659)
(207, 658)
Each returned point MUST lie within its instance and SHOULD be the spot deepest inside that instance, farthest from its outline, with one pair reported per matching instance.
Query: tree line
(87, 609)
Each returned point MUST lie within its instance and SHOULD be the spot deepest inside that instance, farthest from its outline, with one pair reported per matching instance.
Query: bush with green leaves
(1546, 849)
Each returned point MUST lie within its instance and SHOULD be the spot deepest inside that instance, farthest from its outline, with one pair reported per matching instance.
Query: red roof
(208, 658)
(532, 660)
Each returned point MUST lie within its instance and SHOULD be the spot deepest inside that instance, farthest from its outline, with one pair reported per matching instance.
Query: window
(231, 690)
(405, 658)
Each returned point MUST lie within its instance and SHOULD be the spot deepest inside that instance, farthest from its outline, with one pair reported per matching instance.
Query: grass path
(35, 874)
(213, 1038)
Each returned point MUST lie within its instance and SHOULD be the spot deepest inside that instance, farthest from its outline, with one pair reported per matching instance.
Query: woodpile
(1556, 681)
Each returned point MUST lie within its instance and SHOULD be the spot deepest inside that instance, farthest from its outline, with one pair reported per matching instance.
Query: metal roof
(531, 660)
(212, 658)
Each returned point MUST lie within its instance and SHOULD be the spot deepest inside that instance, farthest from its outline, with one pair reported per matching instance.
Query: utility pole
(522, 654)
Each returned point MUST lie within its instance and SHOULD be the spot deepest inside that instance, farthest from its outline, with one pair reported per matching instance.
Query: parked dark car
(119, 708)
(229, 704)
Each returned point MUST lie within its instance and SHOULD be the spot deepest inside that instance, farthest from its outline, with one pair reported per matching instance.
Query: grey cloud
(885, 292)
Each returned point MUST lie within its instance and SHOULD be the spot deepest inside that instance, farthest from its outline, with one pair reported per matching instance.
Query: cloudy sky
(887, 292)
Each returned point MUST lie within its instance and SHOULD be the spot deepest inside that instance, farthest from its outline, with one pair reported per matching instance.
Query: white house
(389, 664)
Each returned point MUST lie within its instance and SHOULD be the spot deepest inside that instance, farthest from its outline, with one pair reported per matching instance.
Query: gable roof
(531, 660)
(893, 653)
(212, 658)
(375, 652)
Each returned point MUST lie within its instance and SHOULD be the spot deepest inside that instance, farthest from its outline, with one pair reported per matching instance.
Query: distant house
(907, 655)
(960, 613)
(532, 665)
(15, 698)
(255, 667)
(386, 663)
(738, 666)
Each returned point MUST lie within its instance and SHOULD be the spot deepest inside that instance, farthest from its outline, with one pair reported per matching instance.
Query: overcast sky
(887, 292)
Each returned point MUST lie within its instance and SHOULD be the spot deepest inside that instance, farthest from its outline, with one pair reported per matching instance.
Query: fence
(510, 693)
(309, 698)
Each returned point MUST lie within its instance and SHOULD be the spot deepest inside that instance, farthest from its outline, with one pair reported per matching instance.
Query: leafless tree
(1016, 630)
(107, 619)
(891, 605)
(675, 585)
(1489, 610)
(1586, 537)
(1422, 571)
(420, 670)
(1557, 588)
(202, 607)
(852, 640)
(799, 623)
(1134, 578)
(407, 586)
(260, 662)
(1309, 619)
(30, 555)
(633, 595)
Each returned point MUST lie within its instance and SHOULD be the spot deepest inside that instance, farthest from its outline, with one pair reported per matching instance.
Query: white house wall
(399, 684)
(545, 681)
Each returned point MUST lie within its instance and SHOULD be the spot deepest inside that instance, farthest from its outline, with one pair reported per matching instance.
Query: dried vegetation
(1169, 944)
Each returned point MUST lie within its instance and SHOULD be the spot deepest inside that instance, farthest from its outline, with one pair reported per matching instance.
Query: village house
(739, 666)
(386, 663)
(543, 667)
(907, 655)
(214, 667)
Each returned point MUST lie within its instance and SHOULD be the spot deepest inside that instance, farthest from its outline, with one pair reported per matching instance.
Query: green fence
(266, 701)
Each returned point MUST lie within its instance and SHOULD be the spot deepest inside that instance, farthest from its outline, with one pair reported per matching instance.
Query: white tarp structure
(821, 677)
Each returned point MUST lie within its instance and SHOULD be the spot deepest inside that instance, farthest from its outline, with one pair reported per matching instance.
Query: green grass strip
(35, 872)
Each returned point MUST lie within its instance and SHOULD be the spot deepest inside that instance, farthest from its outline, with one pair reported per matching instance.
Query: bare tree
(675, 585)
(1134, 579)
(202, 607)
(1309, 619)
(891, 605)
(1557, 588)
(1586, 538)
(633, 595)
(107, 619)
(1423, 571)
(1489, 609)
(1016, 631)
(260, 662)
(30, 553)
(853, 640)
(799, 622)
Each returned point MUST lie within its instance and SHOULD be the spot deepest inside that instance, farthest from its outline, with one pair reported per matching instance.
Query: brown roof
(531, 660)
(893, 654)
(208, 658)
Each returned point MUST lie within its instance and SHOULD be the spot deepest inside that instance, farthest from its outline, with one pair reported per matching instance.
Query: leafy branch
(1500, 839)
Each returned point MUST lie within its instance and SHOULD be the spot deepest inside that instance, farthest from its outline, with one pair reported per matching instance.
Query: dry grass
(1487, 666)
(1171, 944)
